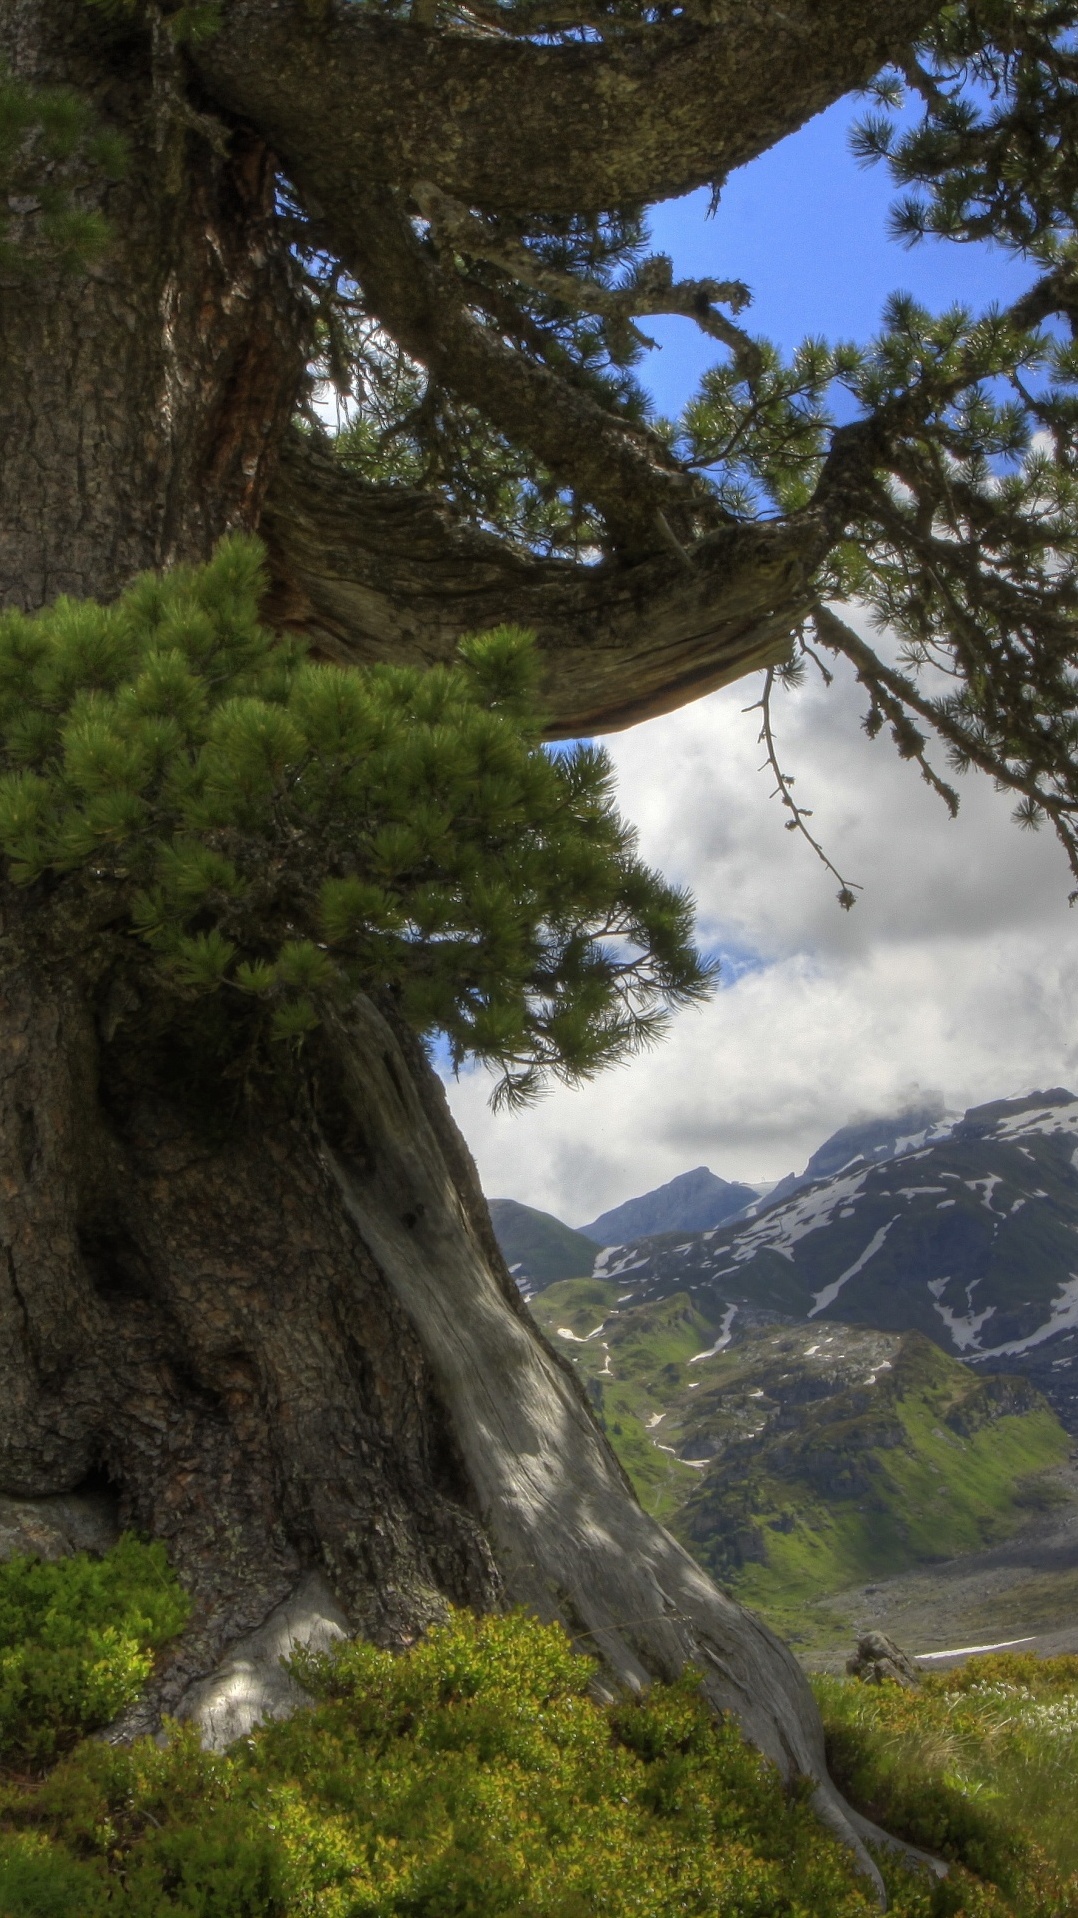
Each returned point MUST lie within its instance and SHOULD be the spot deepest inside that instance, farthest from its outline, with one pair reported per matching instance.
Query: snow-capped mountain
(965, 1230)
(870, 1141)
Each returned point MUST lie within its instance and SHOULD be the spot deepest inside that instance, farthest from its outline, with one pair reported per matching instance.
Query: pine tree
(264, 832)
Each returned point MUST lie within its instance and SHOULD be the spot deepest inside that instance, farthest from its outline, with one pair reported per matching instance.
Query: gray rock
(878, 1657)
(55, 1527)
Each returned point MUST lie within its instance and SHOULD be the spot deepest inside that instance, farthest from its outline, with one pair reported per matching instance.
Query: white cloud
(956, 972)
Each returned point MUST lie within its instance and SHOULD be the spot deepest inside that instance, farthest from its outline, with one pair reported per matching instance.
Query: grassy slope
(837, 1455)
(979, 1765)
(539, 1244)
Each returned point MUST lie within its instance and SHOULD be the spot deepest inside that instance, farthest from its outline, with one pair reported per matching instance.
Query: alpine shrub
(286, 832)
(77, 1638)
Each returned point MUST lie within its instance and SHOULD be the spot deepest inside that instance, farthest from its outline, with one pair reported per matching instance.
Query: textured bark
(385, 574)
(186, 1309)
(141, 403)
(533, 129)
(279, 1324)
(267, 1306)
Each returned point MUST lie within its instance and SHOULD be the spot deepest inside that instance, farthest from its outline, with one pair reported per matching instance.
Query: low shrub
(475, 1777)
(77, 1638)
(472, 1777)
(979, 1765)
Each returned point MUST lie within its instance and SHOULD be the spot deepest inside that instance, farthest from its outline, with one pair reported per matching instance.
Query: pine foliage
(47, 136)
(287, 832)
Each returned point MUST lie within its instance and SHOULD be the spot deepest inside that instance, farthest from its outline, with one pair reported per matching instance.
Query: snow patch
(989, 1184)
(1064, 1315)
(831, 1292)
(1041, 1120)
(963, 1330)
(723, 1340)
(810, 1210)
(609, 1266)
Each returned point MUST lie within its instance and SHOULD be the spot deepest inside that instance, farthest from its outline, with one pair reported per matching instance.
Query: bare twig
(848, 888)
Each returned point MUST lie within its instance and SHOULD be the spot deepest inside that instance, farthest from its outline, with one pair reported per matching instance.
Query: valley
(856, 1401)
(799, 1469)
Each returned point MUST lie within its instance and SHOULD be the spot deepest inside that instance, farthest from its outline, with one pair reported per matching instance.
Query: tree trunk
(266, 1305)
(271, 1310)
(142, 403)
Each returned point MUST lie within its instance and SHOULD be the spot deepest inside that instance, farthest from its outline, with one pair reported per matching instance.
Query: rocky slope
(798, 1465)
(964, 1231)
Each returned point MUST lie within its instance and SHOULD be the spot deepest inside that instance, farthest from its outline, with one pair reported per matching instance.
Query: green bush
(284, 833)
(475, 1777)
(77, 1639)
(472, 1777)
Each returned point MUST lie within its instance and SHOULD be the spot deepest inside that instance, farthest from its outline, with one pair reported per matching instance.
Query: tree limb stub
(345, 98)
(383, 573)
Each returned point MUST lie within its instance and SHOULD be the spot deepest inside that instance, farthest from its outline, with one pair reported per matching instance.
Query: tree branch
(623, 470)
(651, 289)
(384, 573)
(344, 95)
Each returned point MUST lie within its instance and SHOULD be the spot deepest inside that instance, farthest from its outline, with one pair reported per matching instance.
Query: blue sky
(806, 228)
(957, 973)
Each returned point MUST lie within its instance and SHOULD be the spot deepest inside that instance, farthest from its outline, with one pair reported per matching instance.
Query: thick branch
(626, 472)
(652, 288)
(384, 573)
(344, 96)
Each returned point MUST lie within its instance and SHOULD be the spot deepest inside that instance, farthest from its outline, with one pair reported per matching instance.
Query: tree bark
(267, 1304)
(384, 574)
(644, 115)
(142, 402)
(271, 1311)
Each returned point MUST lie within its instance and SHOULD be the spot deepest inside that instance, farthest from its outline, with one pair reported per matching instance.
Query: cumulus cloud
(955, 975)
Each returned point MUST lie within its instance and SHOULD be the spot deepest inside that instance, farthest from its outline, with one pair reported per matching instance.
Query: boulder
(878, 1657)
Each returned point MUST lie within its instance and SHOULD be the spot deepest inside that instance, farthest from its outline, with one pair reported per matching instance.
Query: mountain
(964, 1231)
(871, 1141)
(795, 1465)
(537, 1247)
(692, 1202)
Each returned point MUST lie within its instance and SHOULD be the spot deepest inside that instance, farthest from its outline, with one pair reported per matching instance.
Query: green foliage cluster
(994, 155)
(404, 426)
(979, 1765)
(77, 1638)
(473, 1777)
(288, 833)
(43, 130)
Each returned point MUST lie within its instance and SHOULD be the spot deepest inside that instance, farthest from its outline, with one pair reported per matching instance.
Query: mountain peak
(693, 1202)
(979, 1119)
